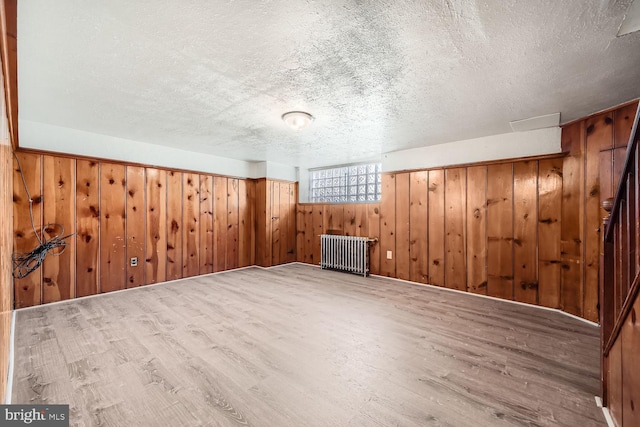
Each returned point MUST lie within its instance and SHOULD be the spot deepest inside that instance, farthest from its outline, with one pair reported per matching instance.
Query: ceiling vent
(533, 123)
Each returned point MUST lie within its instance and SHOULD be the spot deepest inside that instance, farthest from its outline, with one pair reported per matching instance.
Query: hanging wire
(24, 263)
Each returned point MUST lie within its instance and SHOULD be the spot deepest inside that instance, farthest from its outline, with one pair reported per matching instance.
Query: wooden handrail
(628, 168)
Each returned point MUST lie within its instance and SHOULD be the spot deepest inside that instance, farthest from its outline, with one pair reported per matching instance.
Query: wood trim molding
(9, 56)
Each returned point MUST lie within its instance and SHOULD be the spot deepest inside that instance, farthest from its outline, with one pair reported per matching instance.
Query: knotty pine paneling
(174, 225)
(27, 291)
(112, 227)
(477, 229)
(362, 220)
(220, 223)
(436, 228)
(630, 360)
(263, 223)
(232, 223)
(246, 222)
(318, 229)
(572, 230)
(500, 230)
(403, 236)
(373, 217)
(455, 190)
(309, 238)
(87, 216)
(388, 226)
(549, 225)
(275, 207)
(599, 137)
(419, 223)
(206, 224)
(156, 226)
(525, 231)
(614, 375)
(135, 224)
(300, 233)
(58, 205)
(119, 211)
(6, 249)
(291, 223)
(350, 219)
(190, 225)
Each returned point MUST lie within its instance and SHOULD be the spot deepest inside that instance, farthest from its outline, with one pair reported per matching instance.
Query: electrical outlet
(389, 255)
(134, 261)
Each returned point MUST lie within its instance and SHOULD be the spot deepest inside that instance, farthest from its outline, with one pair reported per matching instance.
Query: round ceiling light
(297, 120)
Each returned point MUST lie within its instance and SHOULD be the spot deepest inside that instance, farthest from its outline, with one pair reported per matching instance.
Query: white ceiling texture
(378, 76)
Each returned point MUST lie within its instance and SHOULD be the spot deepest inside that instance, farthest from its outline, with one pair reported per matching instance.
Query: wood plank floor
(299, 346)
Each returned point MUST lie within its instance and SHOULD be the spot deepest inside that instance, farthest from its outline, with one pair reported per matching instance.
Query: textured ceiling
(379, 76)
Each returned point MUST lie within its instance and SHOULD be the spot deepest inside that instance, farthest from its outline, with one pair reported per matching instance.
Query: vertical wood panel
(335, 219)
(350, 219)
(362, 222)
(373, 219)
(309, 239)
(112, 227)
(6, 248)
(246, 203)
(318, 229)
(623, 122)
(630, 375)
(276, 222)
(455, 237)
(500, 230)
(219, 223)
(156, 247)
(88, 227)
(572, 278)
(291, 224)
(58, 203)
(263, 224)
(525, 231)
(174, 225)
(615, 378)
(436, 228)
(232, 223)
(136, 218)
(599, 136)
(549, 216)
(419, 223)
(388, 226)
(301, 232)
(619, 156)
(27, 291)
(402, 226)
(191, 225)
(477, 229)
(206, 224)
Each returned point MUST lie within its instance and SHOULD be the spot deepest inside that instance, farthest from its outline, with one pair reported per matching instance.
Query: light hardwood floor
(300, 346)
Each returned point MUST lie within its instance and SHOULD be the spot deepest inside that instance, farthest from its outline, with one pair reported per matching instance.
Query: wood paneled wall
(275, 222)
(473, 228)
(177, 224)
(524, 230)
(6, 245)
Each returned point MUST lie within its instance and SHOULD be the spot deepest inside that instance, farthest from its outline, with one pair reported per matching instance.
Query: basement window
(346, 184)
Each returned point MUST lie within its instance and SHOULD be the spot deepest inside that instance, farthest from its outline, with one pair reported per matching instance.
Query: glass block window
(346, 184)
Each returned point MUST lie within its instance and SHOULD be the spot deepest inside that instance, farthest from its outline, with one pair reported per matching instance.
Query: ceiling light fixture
(297, 120)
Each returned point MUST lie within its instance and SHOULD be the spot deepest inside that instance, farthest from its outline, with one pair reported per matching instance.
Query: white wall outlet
(389, 255)
(134, 261)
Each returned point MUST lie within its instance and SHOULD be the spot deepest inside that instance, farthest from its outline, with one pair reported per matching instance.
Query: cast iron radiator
(345, 253)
